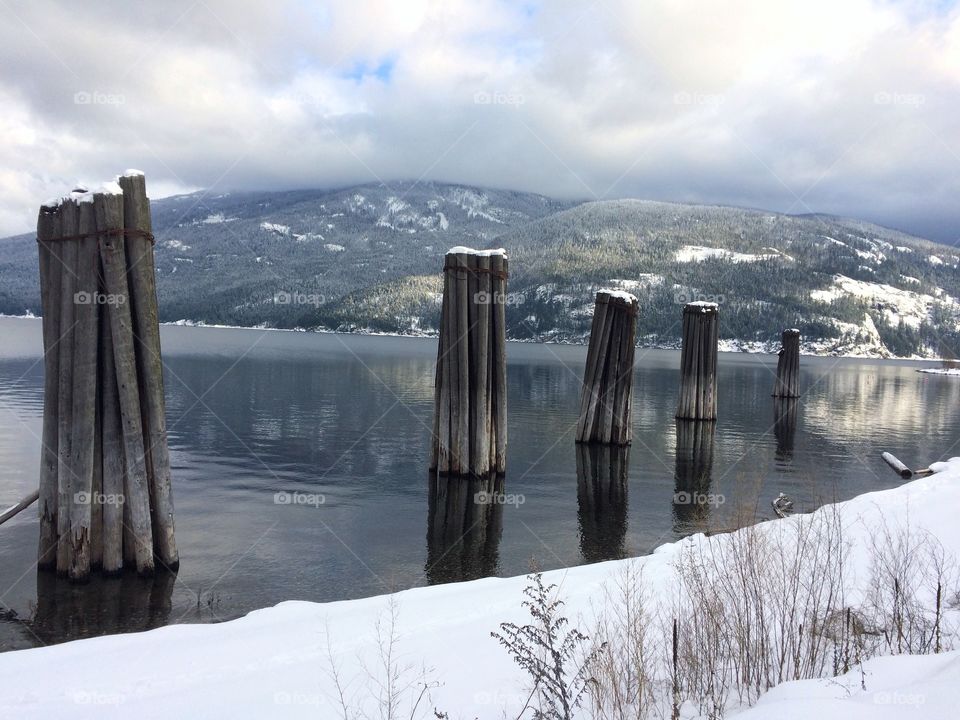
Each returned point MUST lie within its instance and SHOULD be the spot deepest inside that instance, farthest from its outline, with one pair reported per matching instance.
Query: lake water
(346, 420)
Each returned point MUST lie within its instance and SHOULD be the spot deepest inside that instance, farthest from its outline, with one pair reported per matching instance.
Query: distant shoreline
(726, 346)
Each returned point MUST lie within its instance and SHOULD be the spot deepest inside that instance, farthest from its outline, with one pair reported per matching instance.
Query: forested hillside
(368, 258)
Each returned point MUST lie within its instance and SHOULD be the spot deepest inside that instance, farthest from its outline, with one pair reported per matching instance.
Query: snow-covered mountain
(369, 257)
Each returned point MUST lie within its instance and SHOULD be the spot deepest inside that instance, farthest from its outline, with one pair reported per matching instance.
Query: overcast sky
(841, 106)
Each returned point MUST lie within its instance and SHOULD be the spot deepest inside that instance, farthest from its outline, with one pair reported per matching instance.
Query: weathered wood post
(84, 395)
(602, 500)
(698, 362)
(606, 398)
(136, 488)
(48, 230)
(146, 332)
(105, 471)
(69, 226)
(470, 399)
(787, 383)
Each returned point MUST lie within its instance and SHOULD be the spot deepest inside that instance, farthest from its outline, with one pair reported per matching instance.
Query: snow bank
(275, 662)
(897, 687)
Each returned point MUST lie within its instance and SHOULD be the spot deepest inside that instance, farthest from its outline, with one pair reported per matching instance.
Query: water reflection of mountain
(303, 431)
(464, 528)
(879, 402)
(602, 501)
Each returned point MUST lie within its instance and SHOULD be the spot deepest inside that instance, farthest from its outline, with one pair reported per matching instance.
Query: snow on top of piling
(132, 173)
(462, 250)
(111, 188)
(620, 295)
(702, 305)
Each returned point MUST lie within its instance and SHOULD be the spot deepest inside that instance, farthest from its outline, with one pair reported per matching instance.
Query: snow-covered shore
(940, 371)
(276, 662)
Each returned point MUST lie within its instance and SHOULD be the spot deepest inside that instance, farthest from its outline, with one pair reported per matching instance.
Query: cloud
(850, 108)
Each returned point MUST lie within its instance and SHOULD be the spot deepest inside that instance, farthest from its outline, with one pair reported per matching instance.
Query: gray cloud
(848, 108)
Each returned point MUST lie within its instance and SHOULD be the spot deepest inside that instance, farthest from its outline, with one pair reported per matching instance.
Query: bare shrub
(754, 606)
(548, 654)
(391, 689)
(911, 575)
(628, 648)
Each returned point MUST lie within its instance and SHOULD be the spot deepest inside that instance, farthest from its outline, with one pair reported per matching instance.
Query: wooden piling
(481, 458)
(469, 430)
(104, 490)
(109, 207)
(84, 396)
(70, 220)
(498, 347)
(48, 232)
(146, 333)
(787, 383)
(605, 397)
(698, 362)
(116, 524)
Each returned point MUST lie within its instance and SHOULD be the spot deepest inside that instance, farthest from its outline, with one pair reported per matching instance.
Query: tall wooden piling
(698, 362)
(146, 333)
(69, 224)
(104, 486)
(607, 392)
(470, 405)
(48, 229)
(787, 383)
(136, 495)
(84, 395)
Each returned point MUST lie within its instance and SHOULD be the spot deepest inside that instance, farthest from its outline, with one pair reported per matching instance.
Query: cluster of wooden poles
(104, 493)
(469, 430)
(606, 399)
(470, 395)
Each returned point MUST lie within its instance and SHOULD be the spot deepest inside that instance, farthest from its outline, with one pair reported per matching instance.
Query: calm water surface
(347, 419)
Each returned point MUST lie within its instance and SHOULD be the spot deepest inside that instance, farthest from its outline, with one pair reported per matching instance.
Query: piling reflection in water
(784, 428)
(104, 605)
(464, 527)
(692, 499)
(602, 501)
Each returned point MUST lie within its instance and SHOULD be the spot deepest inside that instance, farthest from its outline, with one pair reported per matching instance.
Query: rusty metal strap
(112, 232)
(502, 274)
